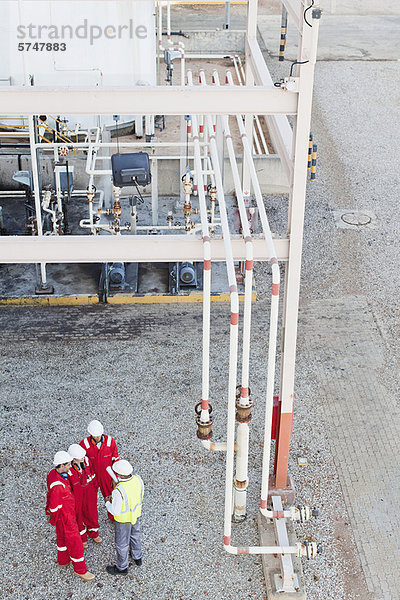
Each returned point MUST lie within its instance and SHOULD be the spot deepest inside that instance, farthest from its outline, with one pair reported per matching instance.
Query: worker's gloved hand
(108, 499)
(113, 484)
(48, 517)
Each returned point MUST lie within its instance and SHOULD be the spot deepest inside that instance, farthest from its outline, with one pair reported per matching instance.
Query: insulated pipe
(36, 191)
(232, 370)
(233, 345)
(241, 477)
(205, 412)
(273, 316)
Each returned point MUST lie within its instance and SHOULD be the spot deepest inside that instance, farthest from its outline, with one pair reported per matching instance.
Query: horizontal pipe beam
(125, 248)
(168, 100)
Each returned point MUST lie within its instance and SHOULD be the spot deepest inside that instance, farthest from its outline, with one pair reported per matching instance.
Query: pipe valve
(308, 549)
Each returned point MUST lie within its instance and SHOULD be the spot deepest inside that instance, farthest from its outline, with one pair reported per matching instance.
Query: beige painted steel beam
(278, 125)
(125, 248)
(294, 9)
(170, 100)
(305, 71)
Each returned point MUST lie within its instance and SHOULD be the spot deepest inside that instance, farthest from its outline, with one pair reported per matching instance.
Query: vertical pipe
(274, 309)
(36, 192)
(227, 24)
(233, 343)
(159, 41)
(314, 163)
(283, 34)
(154, 191)
(205, 414)
(241, 477)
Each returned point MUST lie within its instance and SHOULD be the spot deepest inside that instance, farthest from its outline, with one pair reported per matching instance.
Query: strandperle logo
(84, 31)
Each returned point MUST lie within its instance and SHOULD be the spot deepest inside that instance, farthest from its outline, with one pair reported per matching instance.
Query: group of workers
(71, 507)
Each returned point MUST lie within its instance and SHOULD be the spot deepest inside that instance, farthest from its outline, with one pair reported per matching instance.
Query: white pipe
(121, 144)
(241, 477)
(233, 345)
(233, 366)
(205, 413)
(273, 317)
(154, 191)
(256, 117)
(36, 191)
(159, 39)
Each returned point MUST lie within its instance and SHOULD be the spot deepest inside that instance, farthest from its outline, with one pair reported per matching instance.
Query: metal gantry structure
(210, 104)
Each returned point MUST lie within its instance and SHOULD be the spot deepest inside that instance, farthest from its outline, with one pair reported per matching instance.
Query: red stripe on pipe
(201, 128)
(189, 128)
(204, 405)
(232, 288)
(207, 265)
(249, 265)
(275, 289)
(245, 392)
(227, 540)
(234, 318)
(195, 188)
(243, 550)
(205, 188)
(213, 79)
(226, 79)
(278, 514)
(263, 504)
(214, 127)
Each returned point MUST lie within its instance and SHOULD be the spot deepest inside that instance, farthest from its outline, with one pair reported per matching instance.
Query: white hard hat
(95, 428)
(76, 451)
(61, 457)
(122, 467)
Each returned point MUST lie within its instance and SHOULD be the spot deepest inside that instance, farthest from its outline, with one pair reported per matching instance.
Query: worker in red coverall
(60, 509)
(84, 486)
(102, 452)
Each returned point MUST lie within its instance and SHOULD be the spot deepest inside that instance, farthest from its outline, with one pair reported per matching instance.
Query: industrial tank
(78, 43)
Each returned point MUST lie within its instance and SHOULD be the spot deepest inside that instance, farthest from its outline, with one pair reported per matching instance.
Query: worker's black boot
(113, 570)
(138, 561)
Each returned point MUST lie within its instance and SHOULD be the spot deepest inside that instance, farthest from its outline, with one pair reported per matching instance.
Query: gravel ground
(137, 369)
(144, 390)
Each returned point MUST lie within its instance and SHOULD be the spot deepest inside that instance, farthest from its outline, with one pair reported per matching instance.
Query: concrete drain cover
(355, 219)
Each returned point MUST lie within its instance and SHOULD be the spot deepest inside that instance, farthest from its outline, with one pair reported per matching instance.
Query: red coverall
(61, 508)
(84, 487)
(100, 460)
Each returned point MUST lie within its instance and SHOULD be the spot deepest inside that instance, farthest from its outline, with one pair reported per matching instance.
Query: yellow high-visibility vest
(131, 491)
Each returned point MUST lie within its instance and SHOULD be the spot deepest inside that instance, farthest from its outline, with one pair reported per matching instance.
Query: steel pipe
(241, 477)
(273, 314)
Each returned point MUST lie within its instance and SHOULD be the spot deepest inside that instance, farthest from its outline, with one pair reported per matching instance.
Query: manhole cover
(356, 218)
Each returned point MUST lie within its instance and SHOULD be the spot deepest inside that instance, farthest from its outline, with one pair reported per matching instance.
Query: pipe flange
(243, 413)
(204, 430)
